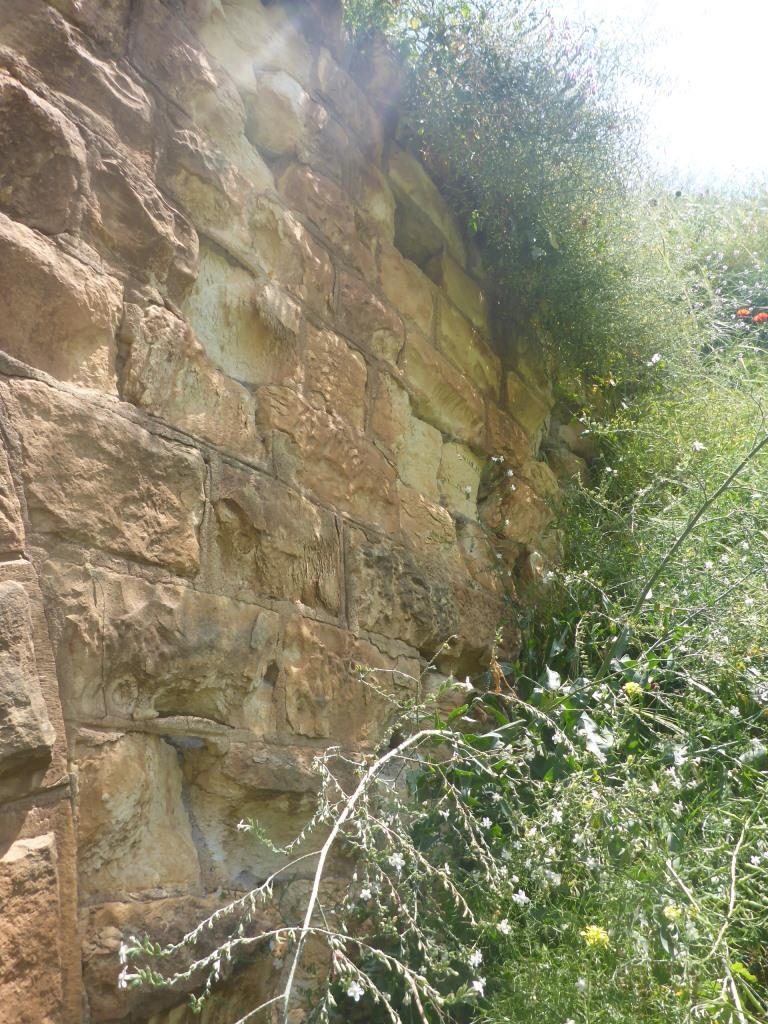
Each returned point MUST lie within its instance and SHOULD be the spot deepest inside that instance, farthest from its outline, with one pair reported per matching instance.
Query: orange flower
(760, 318)
(742, 312)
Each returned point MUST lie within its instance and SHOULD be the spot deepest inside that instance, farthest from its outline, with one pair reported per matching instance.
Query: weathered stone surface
(104, 20)
(424, 222)
(441, 395)
(249, 328)
(335, 377)
(279, 113)
(56, 313)
(322, 453)
(529, 406)
(166, 371)
(30, 939)
(11, 524)
(133, 832)
(569, 467)
(463, 291)
(515, 512)
(459, 340)
(459, 478)
(129, 649)
(408, 289)
(541, 478)
(26, 733)
(505, 438)
(579, 439)
(426, 526)
(42, 161)
(350, 103)
(270, 541)
(101, 480)
(365, 318)
(416, 447)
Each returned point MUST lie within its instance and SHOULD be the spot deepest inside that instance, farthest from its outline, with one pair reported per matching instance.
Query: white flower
(520, 898)
(734, 712)
(709, 565)
(754, 860)
(510, 472)
(506, 855)
(479, 985)
(486, 822)
(355, 990)
(749, 601)
(505, 927)
(475, 958)
(570, 1021)
(365, 894)
(581, 985)
(557, 816)
(468, 491)
(243, 826)
(496, 797)
(697, 446)
(397, 861)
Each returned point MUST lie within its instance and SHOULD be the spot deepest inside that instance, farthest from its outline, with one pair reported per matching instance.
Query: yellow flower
(632, 690)
(594, 935)
(672, 912)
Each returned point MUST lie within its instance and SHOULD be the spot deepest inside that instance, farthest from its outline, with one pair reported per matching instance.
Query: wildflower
(581, 984)
(243, 826)
(749, 601)
(475, 958)
(632, 690)
(511, 472)
(697, 446)
(355, 990)
(672, 912)
(755, 860)
(505, 927)
(557, 816)
(709, 565)
(655, 358)
(478, 985)
(742, 312)
(594, 935)
(365, 894)
(570, 1021)
(520, 898)
(486, 822)
(397, 861)
(760, 318)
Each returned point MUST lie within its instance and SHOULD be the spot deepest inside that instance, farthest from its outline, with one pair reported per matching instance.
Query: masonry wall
(254, 431)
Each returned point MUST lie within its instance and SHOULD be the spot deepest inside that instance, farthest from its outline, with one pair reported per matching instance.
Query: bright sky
(710, 122)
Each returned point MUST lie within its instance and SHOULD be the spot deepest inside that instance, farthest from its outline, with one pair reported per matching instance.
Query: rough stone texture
(254, 433)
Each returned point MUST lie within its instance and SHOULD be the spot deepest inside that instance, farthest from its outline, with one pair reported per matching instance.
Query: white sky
(709, 123)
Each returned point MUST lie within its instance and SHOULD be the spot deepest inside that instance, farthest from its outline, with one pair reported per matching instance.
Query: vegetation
(588, 842)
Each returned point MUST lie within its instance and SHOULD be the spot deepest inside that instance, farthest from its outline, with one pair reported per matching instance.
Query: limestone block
(463, 344)
(26, 733)
(55, 313)
(529, 406)
(11, 524)
(170, 56)
(459, 478)
(416, 446)
(270, 541)
(441, 394)
(131, 220)
(226, 204)
(166, 371)
(463, 291)
(248, 329)
(424, 218)
(395, 593)
(335, 377)
(106, 21)
(30, 943)
(515, 512)
(349, 101)
(324, 454)
(506, 439)
(42, 161)
(408, 289)
(102, 93)
(134, 834)
(100, 480)
(327, 207)
(365, 318)
(126, 648)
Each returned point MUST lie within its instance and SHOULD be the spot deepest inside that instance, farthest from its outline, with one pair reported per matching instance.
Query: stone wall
(253, 432)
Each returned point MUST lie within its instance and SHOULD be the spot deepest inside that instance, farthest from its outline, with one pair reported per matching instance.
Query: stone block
(42, 161)
(126, 649)
(424, 220)
(427, 527)
(324, 454)
(463, 291)
(30, 939)
(56, 313)
(271, 542)
(505, 438)
(328, 209)
(100, 480)
(541, 478)
(134, 834)
(11, 523)
(130, 220)
(365, 318)
(468, 349)
(579, 439)
(375, 199)
(441, 395)
(166, 371)
(415, 446)
(26, 733)
(529, 406)
(515, 512)
(336, 377)
(569, 468)
(408, 289)
(479, 556)
(249, 328)
(279, 113)
(459, 478)
(350, 103)
(106, 21)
